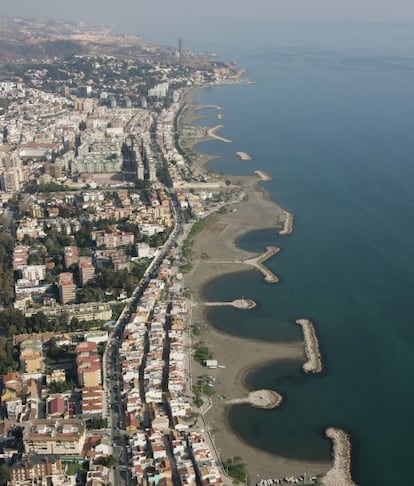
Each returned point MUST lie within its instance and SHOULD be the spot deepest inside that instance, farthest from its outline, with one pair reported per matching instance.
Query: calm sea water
(335, 130)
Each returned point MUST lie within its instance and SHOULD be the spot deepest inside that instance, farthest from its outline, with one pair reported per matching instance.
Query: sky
(198, 22)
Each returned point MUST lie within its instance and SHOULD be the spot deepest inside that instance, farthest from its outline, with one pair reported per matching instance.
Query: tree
(12, 321)
(99, 423)
(202, 352)
(4, 474)
(6, 270)
(61, 386)
(38, 322)
(236, 469)
(108, 461)
(8, 356)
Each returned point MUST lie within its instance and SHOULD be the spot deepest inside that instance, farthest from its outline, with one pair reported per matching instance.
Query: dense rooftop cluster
(94, 193)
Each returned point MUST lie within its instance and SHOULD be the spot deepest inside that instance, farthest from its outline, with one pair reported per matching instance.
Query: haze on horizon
(165, 20)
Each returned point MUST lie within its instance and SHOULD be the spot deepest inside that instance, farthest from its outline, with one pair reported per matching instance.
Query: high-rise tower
(180, 49)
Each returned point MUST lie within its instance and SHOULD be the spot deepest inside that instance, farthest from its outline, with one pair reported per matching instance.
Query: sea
(333, 124)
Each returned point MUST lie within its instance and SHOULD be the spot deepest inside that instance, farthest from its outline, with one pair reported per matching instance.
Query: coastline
(240, 356)
(255, 211)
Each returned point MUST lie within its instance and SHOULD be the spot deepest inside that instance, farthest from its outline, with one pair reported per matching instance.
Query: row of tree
(6, 270)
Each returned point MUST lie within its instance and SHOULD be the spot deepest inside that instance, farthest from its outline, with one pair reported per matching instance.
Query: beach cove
(216, 253)
(342, 165)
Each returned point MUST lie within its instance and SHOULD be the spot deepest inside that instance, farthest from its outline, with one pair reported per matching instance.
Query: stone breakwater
(313, 363)
(288, 224)
(257, 262)
(244, 156)
(340, 473)
(264, 176)
(244, 304)
(266, 399)
(212, 132)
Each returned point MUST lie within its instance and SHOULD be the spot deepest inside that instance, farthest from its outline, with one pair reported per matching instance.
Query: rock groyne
(287, 225)
(257, 262)
(264, 176)
(244, 156)
(244, 304)
(212, 132)
(340, 473)
(266, 399)
(313, 363)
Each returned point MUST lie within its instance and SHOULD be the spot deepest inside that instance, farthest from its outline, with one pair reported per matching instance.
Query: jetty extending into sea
(244, 304)
(340, 472)
(313, 363)
(263, 176)
(288, 224)
(212, 132)
(266, 399)
(257, 262)
(244, 156)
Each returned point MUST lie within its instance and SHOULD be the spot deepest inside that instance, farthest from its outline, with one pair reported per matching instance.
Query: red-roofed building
(90, 443)
(20, 257)
(56, 408)
(86, 270)
(67, 288)
(92, 401)
(88, 362)
(86, 347)
(116, 239)
(12, 381)
(71, 255)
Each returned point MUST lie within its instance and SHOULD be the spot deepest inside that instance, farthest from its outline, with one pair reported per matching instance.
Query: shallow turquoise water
(335, 132)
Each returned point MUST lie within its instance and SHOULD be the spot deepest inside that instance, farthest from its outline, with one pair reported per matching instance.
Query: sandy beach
(239, 356)
(213, 246)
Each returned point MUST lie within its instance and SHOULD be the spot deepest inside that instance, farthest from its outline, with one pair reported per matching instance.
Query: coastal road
(113, 384)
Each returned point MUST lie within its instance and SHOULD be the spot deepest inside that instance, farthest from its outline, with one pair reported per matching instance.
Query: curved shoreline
(241, 356)
(255, 212)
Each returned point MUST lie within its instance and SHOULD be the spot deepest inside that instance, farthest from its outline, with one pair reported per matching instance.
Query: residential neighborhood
(96, 202)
